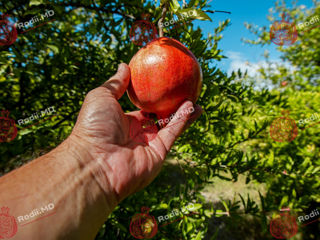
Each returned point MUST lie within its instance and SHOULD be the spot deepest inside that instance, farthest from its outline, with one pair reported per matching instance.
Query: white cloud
(238, 61)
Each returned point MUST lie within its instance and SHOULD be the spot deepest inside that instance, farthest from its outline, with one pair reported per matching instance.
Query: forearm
(66, 179)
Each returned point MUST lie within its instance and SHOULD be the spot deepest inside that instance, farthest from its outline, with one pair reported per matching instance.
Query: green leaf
(194, 13)
(189, 227)
(198, 237)
(215, 235)
(163, 2)
(262, 201)
(284, 201)
(294, 193)
(196, 206)
(123, 228)
(225, 205)
(24, 131)
(207, 213)
(35, 2)
(174, 5)
(193, 3)
(271, 159)
(163, 206)
(315, 170)
(219, 213)
(54, 48)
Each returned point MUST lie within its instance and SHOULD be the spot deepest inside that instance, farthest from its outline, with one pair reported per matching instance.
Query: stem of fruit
(160, 23)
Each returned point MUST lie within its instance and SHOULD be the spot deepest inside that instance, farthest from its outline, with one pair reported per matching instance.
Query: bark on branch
(160, 23)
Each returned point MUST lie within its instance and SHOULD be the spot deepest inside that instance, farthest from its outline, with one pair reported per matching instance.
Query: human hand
(102, 130)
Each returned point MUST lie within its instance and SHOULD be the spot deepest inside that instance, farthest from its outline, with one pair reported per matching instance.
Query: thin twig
(184, 3)
(104, 23)
(216, 11)
(163, 15)
(102, 9)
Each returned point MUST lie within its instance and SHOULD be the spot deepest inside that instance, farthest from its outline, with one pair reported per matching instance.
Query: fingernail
(120, 67)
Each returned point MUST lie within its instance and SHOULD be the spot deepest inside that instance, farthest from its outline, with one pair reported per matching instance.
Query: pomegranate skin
(163, 75)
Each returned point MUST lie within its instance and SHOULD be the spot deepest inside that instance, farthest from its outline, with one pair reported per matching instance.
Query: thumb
(118, 83)
(183, 118)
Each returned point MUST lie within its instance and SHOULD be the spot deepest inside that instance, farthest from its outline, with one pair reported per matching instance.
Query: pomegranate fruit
(164, 74)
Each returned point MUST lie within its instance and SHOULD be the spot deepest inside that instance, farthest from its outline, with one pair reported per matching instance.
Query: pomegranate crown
(5, 210)
(5, 113)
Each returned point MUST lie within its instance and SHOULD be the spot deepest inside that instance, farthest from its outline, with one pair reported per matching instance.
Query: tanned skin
(92, 171)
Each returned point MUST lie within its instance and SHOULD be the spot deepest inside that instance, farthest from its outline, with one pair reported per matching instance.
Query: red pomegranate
(283, 227)
(164, 74)
(143, 225)
(8, 224)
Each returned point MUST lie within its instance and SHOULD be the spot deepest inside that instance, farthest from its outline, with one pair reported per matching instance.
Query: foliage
(58, 63)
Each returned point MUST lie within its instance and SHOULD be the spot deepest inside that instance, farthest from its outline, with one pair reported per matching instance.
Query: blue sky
(251, 11)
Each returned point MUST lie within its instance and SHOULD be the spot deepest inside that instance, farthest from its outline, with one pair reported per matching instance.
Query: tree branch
(80, 5)
(209, 11)
(160, 23)
(104, 24)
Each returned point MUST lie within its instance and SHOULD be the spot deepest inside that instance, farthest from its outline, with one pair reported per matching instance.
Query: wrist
(83, 203)
(67, 177)
(79, 150)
